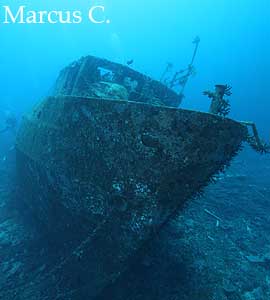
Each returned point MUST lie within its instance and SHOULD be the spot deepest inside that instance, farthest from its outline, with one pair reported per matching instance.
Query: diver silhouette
(10, 124)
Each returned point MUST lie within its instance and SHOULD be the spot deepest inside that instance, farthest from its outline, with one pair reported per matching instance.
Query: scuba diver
(10, 123)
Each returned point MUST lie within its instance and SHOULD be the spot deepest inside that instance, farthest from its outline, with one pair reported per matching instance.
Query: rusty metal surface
(102, 175)
(79, 78)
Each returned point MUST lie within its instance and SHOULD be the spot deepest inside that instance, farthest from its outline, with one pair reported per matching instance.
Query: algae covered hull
(103, 175)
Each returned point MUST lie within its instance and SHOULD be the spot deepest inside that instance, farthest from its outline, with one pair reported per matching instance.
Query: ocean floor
(216, 248)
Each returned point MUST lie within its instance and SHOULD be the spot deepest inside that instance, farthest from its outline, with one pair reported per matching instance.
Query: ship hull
(102, 176)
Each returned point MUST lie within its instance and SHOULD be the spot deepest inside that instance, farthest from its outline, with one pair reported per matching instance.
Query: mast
(190, 68)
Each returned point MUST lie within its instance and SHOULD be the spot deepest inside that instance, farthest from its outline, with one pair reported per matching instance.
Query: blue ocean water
(234, 49)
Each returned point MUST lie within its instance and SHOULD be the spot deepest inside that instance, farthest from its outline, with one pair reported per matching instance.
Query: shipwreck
(105, 161)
